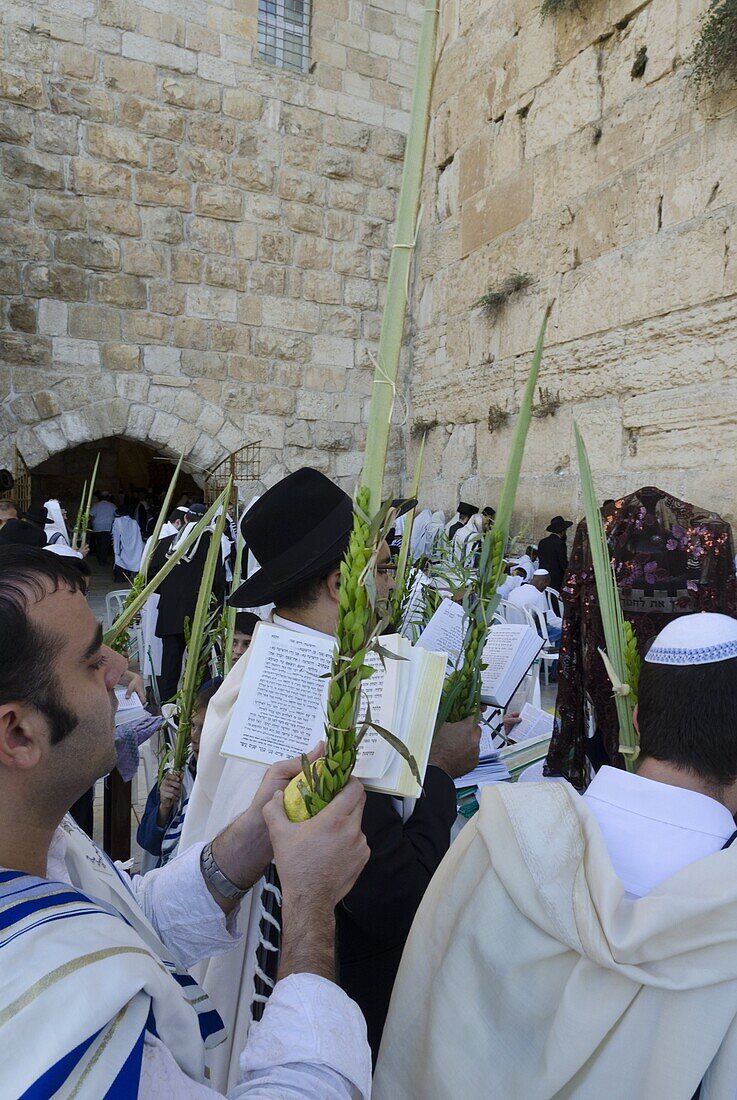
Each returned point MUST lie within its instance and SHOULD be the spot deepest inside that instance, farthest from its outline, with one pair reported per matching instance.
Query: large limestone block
(565, 104)
(496, 210)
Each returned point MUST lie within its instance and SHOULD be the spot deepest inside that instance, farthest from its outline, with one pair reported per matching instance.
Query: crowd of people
(568, 942)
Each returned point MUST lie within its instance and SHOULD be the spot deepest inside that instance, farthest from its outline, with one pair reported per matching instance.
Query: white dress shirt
(311, 1041)
(102, 514)
(653, 830)
(508, 585)
(526, 595)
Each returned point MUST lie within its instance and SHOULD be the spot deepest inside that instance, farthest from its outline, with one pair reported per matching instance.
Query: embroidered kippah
(699, 639)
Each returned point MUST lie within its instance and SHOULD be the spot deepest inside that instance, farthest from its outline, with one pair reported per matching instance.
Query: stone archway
(176, 421)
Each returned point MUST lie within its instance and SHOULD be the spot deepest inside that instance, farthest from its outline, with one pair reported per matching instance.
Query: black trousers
(102, 544)
(173, 647)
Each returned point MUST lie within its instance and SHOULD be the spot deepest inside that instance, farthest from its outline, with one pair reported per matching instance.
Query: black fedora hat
(37, 514)
(557, 525)
(7, 481)
(295, 530)
(466, 509)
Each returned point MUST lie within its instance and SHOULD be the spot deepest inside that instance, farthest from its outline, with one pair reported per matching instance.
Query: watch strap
(217, 878)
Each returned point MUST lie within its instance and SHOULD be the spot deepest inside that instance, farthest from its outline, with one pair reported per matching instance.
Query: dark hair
(687, 716)
(245, 622)
(205, 694)
(306, 592)
(174, 514)
(27, 669)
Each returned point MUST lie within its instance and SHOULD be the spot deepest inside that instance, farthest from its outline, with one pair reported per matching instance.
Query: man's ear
(332, 583)
(22, 736)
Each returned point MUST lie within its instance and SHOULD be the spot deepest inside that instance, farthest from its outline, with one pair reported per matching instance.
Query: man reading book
(587, 946)
(298, 532)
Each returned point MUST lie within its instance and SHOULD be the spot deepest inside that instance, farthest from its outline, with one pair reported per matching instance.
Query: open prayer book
(498, 763)
(280, 711)
(508, 654)
(129, 710)
(446, 631)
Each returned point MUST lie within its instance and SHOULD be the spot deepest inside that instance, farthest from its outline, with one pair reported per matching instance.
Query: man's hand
(243, 850)
(318, 862)
(509, 721)
(169, 794)
(134, 684)
(455, 747)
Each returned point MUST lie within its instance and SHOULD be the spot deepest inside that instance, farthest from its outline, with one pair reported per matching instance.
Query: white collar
(298, 628)
(662, 802)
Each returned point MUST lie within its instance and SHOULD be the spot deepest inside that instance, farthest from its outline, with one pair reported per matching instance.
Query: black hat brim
(559, 527)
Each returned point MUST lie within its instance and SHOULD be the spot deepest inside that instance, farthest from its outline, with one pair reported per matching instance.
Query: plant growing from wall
(714, 55)
(555, 7)
(497, 297)
(498, 417)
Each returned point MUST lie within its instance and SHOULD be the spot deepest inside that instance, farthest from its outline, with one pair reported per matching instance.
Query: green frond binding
(199, 643)
(135, 604)
(496, 297)
(611, 610)
(231, 612)
(462, 691)
(359, 616)
(80, 512)
(714, 55)
(120, 642)
(632, 661)
(79, 535)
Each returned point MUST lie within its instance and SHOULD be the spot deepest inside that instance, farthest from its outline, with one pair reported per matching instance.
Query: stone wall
(193, 243)
(616, 193)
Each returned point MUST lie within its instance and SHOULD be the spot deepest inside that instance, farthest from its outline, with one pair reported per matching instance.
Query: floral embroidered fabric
(670, 558)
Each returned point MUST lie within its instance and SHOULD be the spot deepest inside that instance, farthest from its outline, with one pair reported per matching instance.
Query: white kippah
(695, 640)
(541, 573)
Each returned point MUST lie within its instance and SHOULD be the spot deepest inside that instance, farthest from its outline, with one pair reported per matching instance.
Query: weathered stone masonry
(193, 244)
(617, 194)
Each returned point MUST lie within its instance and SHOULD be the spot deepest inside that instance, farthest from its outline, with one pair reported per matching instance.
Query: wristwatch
(217, 878)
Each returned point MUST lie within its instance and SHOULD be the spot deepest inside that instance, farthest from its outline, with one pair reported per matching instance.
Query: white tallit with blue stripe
(83, 978)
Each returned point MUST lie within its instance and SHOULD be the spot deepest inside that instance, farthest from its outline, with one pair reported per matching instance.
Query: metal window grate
(284, 33)
(241, 465)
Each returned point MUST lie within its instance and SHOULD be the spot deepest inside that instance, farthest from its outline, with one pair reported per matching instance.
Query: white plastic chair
(515, 614)
(114, 604)
(548, 654)
(554, 601)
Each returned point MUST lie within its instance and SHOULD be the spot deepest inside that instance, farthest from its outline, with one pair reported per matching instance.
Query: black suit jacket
(178, 591)
(552, 555)
(374, 920)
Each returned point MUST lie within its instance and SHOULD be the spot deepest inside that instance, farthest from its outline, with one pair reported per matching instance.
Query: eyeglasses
(386, 570)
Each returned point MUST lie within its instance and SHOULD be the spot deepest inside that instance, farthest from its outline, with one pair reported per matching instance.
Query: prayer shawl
(83, 978)
(529, 975)
(55, 529)
(127, 544)
(223, 789)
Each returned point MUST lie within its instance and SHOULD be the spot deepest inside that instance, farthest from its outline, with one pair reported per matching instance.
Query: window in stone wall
(284, 32)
